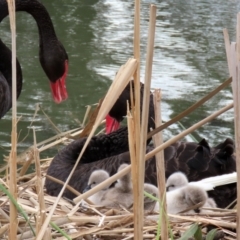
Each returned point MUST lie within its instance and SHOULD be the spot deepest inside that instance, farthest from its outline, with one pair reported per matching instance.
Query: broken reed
(233, 59)
(160, 166)
(13, 153)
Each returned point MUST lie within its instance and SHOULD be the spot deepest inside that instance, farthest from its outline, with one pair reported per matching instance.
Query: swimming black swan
(53, 57)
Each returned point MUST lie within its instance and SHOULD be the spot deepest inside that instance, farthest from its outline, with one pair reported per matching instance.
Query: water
(189, 61)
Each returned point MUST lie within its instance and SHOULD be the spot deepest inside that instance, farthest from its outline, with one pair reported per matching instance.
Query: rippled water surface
(189, 61)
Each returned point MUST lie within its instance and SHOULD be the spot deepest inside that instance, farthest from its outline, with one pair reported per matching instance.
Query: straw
(41, 214)
(138, 206)
(13, 154)
(227, 48)
(235, 61)
(158, 140)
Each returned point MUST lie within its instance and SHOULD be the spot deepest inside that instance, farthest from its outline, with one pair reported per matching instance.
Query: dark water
(189, 61)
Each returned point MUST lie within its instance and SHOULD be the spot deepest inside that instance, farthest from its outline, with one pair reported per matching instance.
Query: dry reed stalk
(235, 58)
(190, 109)
(126, 170)
(227, 48)
(91, 121)
(13, 154)
(141, 139)
(86, 114)
(3, 229)
(134, 163)
(120, 82)
(8, 218)
(39, 188)
(158, 140)
(26, 166)
(136, 117)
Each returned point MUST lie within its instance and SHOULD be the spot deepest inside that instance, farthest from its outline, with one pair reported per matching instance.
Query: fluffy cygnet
(177, 200)
(97, 176)
(121, 193)
(186, 197)
(179, 179)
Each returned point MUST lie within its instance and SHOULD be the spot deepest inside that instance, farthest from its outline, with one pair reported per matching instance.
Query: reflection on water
(189, 61)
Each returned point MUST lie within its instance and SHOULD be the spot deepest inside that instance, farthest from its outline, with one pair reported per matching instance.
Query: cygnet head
(193, 195)
(176, 180)
(97, 176)
(124, 183)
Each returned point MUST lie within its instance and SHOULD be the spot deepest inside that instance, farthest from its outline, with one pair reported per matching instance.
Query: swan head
(119, 109)
(176, 180)
(54, 61)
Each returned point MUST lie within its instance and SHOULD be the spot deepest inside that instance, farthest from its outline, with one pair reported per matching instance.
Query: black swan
(6, 79)
(53, 57)
(100, 147)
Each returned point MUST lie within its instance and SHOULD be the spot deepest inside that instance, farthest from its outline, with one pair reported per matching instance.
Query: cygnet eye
(93, 182)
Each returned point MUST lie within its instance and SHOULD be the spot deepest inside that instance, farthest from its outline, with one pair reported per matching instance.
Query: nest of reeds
(96, 222)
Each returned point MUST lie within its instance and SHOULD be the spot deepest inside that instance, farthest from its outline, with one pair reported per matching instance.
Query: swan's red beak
(111, 124)
(59, 90)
